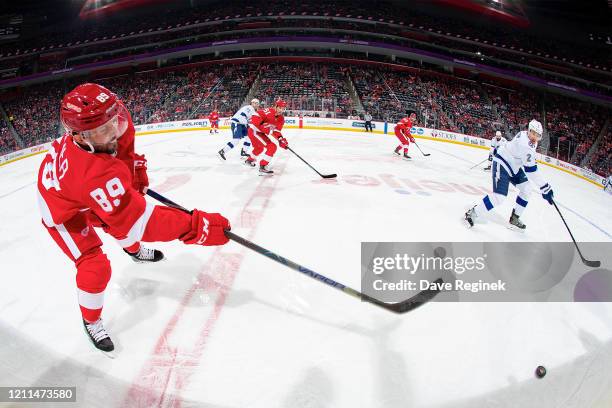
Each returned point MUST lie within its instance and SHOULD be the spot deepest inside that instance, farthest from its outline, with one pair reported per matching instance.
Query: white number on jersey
(115, 190)
(49, 179)
(102, 97)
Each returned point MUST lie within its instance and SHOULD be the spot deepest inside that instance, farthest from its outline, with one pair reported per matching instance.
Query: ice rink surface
(226, 327)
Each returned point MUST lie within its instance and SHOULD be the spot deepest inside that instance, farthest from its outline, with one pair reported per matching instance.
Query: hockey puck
(540, 371)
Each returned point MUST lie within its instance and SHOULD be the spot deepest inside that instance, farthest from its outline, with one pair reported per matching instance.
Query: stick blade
(418, 300)
(326, 176)
(407, 305)
(591, 264)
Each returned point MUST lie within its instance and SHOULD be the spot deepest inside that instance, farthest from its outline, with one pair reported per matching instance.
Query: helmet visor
(112, 129)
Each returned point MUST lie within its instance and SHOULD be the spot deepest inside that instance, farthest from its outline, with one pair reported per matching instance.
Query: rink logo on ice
(486, 271)
(406, 186)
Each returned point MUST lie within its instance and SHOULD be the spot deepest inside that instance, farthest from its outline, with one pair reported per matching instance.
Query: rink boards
(334, 125)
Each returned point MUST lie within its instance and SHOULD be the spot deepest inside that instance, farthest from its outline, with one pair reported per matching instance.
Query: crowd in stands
(183, 94)
(230, 91)
(35, 112)
(471, 113)
(515, 107)
(387, 94)
(445, 102)
(601, 160)
(574, 124)
(307, 87)
(7, 141)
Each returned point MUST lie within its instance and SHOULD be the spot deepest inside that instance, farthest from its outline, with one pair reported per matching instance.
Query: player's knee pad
(93, 271)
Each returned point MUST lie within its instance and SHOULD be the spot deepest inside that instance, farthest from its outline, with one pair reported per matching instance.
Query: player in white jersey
(514, 162)
(239, 124)
(496, 142)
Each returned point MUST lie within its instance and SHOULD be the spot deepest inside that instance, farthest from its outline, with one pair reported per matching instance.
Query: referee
(368, 121)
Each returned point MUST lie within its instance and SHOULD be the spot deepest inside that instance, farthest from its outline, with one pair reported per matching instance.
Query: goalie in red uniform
(214, 121)
(88, 179)
(266, 123)
(402, 131)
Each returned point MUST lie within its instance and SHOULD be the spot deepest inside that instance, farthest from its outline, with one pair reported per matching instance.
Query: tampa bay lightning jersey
(520, 152)
(244, 114)
(497, 143)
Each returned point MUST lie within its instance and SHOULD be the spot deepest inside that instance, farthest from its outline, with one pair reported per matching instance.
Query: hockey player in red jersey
(265, 123)
(402, 131)
(214, 121)
(82, 178)
(138, 164)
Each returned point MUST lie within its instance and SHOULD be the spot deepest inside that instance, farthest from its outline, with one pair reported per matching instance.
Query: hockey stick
(401, 307)
(476, 165)
(424, 154)
(308, 164)
(592, 264)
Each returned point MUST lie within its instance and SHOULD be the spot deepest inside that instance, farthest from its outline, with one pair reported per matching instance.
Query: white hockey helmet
(498, 134)
(536, 127)
(254, 101)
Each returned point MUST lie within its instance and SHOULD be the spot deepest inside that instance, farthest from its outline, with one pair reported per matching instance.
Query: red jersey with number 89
(71, 179)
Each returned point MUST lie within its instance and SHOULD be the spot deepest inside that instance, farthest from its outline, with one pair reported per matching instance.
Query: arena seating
(576, 124)
(36, 112)
(312, 87)
(601, 161)
(7, 141)
(445, 102)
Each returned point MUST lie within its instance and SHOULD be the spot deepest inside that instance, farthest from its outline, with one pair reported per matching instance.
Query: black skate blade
(515, 228)
(144, 261)
(108, 354)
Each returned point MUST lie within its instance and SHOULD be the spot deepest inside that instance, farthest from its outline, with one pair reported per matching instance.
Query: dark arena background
(323, 188)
